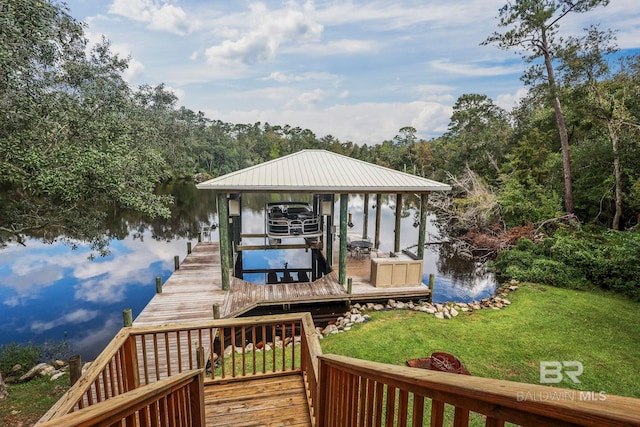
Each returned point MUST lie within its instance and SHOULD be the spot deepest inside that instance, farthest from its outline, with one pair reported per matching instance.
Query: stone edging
(447, 310)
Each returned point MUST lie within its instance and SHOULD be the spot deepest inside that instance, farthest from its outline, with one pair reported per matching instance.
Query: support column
(329, 235)
(365, 218)
(378, 219)
(223, 232)
(342, 272)
(396, 232)
(424, 198)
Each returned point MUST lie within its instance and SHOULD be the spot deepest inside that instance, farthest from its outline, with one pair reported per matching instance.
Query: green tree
(477, 137)
(532, 29)
(69, 145)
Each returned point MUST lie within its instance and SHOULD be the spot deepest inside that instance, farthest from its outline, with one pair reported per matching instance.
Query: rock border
(448, 310)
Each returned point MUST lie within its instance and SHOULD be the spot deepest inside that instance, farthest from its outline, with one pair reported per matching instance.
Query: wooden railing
(175, 401)
(355, 392)
(140, 374)
(228, 349)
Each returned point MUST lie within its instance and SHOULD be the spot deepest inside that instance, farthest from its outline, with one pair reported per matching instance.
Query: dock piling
(158, 285)
(75, 368)
(127, 317)
(216, 311)
(188, 248)
(349, 284)
(176, 263)
(432, 282)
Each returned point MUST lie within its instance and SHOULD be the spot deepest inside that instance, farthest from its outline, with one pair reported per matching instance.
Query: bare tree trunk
(562, 129)
(617, 173)
(3, 389)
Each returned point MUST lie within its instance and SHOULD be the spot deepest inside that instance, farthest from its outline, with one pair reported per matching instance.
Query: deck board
(277, 401)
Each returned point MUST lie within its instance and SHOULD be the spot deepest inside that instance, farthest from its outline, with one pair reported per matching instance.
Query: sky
(356, 70)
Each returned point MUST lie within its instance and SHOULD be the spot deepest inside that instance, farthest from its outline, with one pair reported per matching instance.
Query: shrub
(25, 355)
(605, 259)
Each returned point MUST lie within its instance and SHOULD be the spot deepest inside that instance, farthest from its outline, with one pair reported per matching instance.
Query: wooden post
(432, 282)
(75, 368)
(329, 233)
(188, 248)
(176, 263)
(199, 237)
(342, 272)
(378, 219)
(422, 231)
(365, 218)
(130, 372)
(216, 311)
(396, 232)
(349, 284)
(158, 285)
(225, 247)
(200, 356)
(127, 318)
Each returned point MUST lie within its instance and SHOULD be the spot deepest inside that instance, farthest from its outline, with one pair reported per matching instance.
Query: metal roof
(320, 171)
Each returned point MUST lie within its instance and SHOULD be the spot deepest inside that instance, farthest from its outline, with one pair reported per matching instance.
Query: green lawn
(543, 323)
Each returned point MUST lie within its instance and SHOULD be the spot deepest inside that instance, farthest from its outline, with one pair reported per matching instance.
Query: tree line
(76, 140)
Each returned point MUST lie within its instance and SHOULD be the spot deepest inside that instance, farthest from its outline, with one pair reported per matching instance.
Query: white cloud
(158, 15)
(77, 316)
(508, 101)
(311, 98)
(363, 123)
(262, 39)
(476, 69)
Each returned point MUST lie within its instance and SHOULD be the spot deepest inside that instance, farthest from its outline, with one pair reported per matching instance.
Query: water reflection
(50, 292)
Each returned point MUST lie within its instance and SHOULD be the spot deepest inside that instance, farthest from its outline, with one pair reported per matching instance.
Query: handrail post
(130, 364)
(323, 389)
(198, 416)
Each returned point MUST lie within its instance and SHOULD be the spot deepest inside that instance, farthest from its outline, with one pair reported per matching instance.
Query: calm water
(49, 292)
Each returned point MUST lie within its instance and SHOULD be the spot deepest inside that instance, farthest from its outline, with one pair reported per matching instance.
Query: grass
(543, 323)
(28, 402)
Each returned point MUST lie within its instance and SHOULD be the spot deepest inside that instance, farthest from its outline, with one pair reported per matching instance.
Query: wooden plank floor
(276, 401)
(189, 294)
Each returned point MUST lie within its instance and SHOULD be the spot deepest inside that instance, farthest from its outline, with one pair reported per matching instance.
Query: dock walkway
(192, 290)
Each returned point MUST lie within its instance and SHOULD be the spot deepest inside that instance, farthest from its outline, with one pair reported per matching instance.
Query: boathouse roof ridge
(320, 171)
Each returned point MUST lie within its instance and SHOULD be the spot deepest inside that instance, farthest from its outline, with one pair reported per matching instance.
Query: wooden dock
(191, 292)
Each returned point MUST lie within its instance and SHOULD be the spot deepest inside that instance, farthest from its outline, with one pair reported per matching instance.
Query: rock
(357, 305)
(59, 364)
(453, 312)
(506, 302)
(249, 347)
(329, 329)
(56, 376)
(400, 305)
(391, 302)
(378, 307)
(16, 368)
(371, 306)
(366, 317)
(228, 350)
(513, 288)
(439, 307)
(439, 315)
(39, 370)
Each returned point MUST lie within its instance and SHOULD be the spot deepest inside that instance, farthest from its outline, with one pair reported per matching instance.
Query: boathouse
(324, 175)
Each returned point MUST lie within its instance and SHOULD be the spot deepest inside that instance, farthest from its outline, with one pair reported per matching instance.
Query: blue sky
(357, 70)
